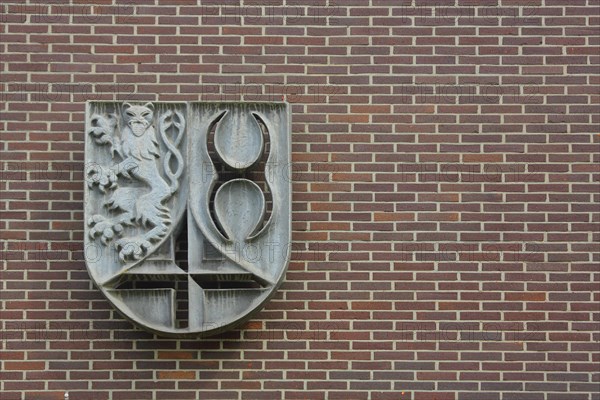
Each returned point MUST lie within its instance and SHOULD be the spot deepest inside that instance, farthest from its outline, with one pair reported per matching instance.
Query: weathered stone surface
(149, 172)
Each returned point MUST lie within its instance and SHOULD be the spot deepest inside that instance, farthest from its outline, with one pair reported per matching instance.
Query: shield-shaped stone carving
(187, 210)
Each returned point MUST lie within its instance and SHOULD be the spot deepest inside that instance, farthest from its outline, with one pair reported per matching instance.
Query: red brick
(176, 375)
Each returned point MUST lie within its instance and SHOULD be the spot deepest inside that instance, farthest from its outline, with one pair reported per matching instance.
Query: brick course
(445, 185)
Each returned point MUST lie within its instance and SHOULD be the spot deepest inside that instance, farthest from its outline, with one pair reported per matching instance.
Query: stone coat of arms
(187, 210)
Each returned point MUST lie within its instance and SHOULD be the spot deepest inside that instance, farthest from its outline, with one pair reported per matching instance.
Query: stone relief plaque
(187, 210)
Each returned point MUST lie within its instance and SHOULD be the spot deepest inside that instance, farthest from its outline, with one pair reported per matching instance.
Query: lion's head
(138, 118)
(139, 141)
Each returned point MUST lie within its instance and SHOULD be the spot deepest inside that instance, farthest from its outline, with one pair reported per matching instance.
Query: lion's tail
(176, 122)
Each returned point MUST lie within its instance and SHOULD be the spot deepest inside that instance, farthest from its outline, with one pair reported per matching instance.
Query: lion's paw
(105, 178)
(105, 228)
(135, 248)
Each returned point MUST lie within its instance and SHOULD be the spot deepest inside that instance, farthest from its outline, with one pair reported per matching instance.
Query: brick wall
(445, 171)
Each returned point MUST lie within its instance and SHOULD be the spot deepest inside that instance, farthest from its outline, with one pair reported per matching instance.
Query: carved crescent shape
(238, 139)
